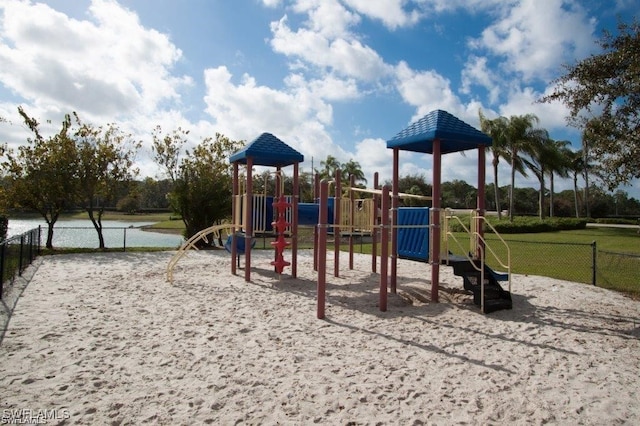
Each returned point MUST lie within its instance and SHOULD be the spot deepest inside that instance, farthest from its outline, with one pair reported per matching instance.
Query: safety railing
(16, 253)
(479, 220)
(476, 241)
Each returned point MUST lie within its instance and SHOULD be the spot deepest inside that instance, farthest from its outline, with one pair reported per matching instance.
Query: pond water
(81, 233)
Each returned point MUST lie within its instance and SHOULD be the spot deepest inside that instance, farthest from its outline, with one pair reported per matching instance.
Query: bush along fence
(16, 253)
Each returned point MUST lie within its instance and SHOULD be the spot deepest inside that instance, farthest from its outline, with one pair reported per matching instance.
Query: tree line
(151, 195)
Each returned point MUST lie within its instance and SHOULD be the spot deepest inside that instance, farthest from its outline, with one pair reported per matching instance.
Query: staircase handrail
(472, 262)
(447, 217)
(493, 253)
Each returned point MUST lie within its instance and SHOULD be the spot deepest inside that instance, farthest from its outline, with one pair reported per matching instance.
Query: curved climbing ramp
(203, 235)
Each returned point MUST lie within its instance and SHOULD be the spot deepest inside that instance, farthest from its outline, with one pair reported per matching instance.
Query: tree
(458, 194)
(105, 160)
(167, 149)
(202, 179)
(129, 204)
(520, 134)
(352, 168)
(602, 93)
(329, 167)
(576, 168)
(413, 184)
(153, 193)
(42, 174)
(540, 155)
(559, 164)
(497, 129)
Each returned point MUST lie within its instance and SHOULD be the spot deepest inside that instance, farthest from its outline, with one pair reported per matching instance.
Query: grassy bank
(160, 217)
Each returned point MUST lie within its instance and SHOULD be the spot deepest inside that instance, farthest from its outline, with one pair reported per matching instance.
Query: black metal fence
(578, 262)
(619, 270)
(16, 253)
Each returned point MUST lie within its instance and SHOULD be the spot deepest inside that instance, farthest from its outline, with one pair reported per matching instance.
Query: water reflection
(81, 233)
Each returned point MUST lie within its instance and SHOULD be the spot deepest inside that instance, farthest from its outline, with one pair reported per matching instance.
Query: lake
(81, 233)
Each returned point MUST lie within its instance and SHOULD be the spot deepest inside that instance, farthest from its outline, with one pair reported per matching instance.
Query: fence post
(21, 255)
(593, 262)
(31, 256)
(2, 256)
(124, 243)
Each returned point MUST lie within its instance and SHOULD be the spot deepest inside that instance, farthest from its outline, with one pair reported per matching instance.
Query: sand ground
(105, 339)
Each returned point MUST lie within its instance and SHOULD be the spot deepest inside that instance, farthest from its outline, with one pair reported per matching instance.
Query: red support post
(384, 250)
(435, 261)
(294, 222)
(248, 221)
(394, 219)
(374, 230)
(234, 213)
(322, 248)
(352, 218)
(336, 226)
(316, 195)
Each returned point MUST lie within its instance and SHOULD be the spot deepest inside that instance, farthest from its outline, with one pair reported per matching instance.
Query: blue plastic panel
(413, 243)
(308, 213)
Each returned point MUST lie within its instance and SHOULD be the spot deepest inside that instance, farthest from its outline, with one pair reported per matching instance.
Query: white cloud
(524, 101)
(108, 66)
(243, 111)
(329, 88)
(328, 18)
(535, 40)
(426, 90)
(477, 72)
(344, 56)
(271, 3)
(391, 12)
(373, 156)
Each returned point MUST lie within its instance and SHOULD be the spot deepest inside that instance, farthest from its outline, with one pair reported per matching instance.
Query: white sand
(106, 340)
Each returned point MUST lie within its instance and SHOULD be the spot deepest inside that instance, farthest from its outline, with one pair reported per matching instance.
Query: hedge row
(527, 225)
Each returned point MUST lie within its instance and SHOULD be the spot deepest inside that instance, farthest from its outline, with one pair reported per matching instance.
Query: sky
(327, 77)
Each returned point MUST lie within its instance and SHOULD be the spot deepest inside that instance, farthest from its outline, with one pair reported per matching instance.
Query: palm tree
(497, 129)
(519, 133)
(541, 154)
(561, 167)
(352, 168)
(586, 138)
(577, 167)
(329, 167)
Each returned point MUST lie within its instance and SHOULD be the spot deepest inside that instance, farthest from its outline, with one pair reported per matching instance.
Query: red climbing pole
(280, 225)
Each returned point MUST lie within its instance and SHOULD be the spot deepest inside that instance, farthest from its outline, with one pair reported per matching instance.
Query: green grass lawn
(567, 255)
(127, 217)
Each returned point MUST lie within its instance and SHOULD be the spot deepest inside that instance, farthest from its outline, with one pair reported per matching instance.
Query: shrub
(530, 225)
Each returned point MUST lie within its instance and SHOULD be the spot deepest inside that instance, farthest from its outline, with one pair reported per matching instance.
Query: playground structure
(420, 234)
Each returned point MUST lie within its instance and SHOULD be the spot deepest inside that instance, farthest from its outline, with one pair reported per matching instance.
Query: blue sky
(328, 77)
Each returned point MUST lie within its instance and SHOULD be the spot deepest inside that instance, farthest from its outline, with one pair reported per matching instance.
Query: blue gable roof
(453, 133)
(267, 150)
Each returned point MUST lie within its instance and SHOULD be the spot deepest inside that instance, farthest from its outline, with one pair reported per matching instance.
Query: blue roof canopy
(267, 150)
(454, 134)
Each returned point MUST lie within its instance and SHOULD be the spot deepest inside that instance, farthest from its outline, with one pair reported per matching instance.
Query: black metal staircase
(495, 297)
